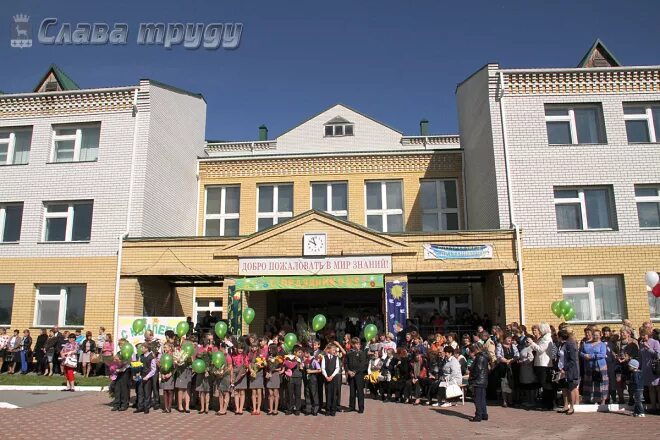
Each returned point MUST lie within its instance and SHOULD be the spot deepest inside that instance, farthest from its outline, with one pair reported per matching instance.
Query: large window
(647, 198)
(76, 144)
(331, 197)
(439, 205)
(595, 298)
(384, 205)
(59, 305)
(6, 303)
(654, 304)
(222, 211)
(15, 145)
(203, 305)
(11, 217)
(575, 124)
(68, 221)
(584, 208)
(275, 203)
(642, 122)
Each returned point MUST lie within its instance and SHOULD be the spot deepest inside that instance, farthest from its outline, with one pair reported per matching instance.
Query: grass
(32, 379)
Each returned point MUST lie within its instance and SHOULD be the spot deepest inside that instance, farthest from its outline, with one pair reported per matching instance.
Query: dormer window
(338, 126)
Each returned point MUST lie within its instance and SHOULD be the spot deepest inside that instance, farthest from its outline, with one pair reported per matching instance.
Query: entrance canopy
(310, 282)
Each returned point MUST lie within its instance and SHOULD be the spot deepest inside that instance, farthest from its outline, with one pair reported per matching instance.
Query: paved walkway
(380, 421)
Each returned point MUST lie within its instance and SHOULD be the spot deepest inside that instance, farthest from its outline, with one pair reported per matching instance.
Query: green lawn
(31, 379)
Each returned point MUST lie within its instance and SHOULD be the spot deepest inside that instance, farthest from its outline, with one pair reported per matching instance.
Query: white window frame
(647, 116)
(276, 215)
(212, 307)
(651, 297)
(3, 219)
(590, 290)
(384, 211)
(439, 211)
(329, 210)
(69, 219)
(334, 131)
(11, 145)
(62, 299)
(223, 200)
(570, 118)
(583, 206)
(77, 138)
(647, 199)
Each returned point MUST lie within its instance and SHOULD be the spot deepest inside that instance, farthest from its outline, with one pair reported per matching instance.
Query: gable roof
(65, 82)
(599, 51)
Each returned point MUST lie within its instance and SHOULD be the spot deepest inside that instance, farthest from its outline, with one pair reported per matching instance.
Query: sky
(397, 61)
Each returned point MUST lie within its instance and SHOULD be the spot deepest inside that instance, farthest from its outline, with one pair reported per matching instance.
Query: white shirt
(336, 367)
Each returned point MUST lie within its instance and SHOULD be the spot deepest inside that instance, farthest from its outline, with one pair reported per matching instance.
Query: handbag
(95, 358)
(452, 390)
(71, 361)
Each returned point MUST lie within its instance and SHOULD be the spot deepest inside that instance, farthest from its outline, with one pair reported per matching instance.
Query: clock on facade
(314, 244)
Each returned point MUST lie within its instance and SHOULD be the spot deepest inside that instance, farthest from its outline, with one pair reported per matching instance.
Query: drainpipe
(514, 225)
(124, 234)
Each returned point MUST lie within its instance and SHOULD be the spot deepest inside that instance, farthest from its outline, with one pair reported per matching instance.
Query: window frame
(439, 211)
(570, 118)
(590, 290)
(212, 307)
(328, 194)
(77, 138)
(223, 208)
(276, 215)
(384, 211)
(647, 199)
(3, 219)
(343, 129)
(647, 117)
(69, 215)
(12, 291)
(11, 144)
(62, 300)
(581, 200)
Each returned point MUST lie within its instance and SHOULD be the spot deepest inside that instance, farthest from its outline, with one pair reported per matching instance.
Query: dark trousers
(121, 390)
(480, 402)
(544, 375)
(639, 402)
(331, 394)
(294, 388)
(155, 399)
(144, 395)
(320, 382)
(356, 385)
(312, 394)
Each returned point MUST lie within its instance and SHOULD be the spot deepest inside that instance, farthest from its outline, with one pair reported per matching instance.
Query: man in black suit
(356, 368)
(330, 371)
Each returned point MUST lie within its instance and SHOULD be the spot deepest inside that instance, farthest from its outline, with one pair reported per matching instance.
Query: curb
(48, 388)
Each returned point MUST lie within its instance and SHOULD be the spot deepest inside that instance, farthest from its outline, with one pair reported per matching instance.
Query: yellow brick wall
(98, 273)
(544, 268)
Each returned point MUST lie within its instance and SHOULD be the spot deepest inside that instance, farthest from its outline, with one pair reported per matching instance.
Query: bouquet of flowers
(180, 358)
(258, 364)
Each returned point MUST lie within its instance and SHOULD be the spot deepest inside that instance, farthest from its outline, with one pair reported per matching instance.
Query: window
(654, 304)
(578, 124)
(275, 203)
(15, 146)
(648, 205)
(595, 298)
(76, 144)
(642, 122)
(339, 130)
(583, 209)
(331, 197)
(222, 211)
(63, 306)
(439, 205)
(384, 205)
(7, 302)
(208, 305)
(68, 221)
(11, 217)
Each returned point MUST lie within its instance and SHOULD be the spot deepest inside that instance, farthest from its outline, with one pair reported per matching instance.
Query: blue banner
(457, 252)
(396, 305)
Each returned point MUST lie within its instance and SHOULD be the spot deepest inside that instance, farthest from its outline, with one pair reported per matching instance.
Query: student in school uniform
(146, 372)
(356, 368)
(331, 373)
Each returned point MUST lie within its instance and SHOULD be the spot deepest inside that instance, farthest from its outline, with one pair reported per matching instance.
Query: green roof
(600, 46)
(65, 81)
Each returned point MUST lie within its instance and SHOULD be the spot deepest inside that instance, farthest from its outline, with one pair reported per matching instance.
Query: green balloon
(248, 315)
(218, 359)
(188, 348)
(138, 325)
(565, 306)
(199, 366)
(126, 352)
(290, 339)
(287, 348)
(318, 322)
(166, 362)
(182, 328)
(221, 329)
(370, 332)
(556, 309)
(570, 314)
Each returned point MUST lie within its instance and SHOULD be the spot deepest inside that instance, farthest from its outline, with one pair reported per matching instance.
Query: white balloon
(652, 278)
